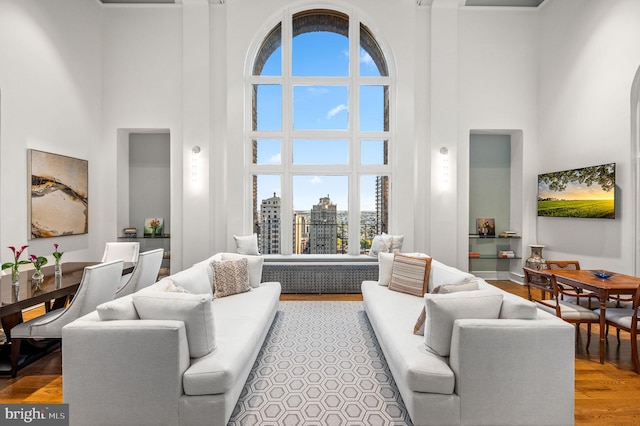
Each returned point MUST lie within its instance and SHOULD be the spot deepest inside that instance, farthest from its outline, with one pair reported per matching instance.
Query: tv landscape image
(588, 192)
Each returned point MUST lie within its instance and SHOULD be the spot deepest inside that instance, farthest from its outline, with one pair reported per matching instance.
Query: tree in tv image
(587, 192)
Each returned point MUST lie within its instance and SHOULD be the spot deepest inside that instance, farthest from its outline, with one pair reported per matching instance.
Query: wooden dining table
(603, 288)
(29, 292)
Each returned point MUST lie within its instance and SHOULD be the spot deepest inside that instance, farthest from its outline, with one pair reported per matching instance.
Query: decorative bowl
(602, 274)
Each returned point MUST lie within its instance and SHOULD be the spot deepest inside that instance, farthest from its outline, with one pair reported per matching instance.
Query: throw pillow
(195, 279)
(173, 288)
(466, 285)
(396, 243)
(195, 310)
(469, 285)
(118, 309)
(230, 277)
(385, 267)
(247, 244)
(255, 266)
(518, 308)
(380, 244)
(410, 274)
(442, 310)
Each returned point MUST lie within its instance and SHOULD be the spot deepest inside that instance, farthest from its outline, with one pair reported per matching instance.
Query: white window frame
(286, 169)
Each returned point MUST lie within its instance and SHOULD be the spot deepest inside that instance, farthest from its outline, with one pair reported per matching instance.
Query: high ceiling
(500, 3)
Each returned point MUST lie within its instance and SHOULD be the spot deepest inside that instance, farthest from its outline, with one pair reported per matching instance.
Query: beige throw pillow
(467, 285)
(410, 274)
(230, 277)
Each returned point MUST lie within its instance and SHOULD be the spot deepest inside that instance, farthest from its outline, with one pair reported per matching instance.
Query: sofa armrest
(129, 372)
(506, 370)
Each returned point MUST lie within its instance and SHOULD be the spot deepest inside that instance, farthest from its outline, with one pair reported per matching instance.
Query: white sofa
(139, 372)
(504, 371)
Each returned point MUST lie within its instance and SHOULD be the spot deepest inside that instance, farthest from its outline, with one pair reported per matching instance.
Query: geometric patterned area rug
(320, 365)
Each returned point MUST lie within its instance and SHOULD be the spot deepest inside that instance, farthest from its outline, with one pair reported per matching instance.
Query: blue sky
(321, 107)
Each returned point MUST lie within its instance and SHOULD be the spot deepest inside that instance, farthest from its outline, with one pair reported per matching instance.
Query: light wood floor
(606, 394)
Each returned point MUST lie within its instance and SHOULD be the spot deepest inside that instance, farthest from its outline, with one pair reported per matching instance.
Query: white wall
(50, 94)
(498, 67)
(589, 55)
(142, 91)
(558, 77)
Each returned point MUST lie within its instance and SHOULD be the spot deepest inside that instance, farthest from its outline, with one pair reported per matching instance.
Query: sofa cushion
(467, 285)
(242, 321)
(195, 279)
(255, 266)
(444, 274)
(390, 312)
(517, 308)
(385, 266)
(247, 244)
(195, 310)
(443, 309)
(230, 277)
(118, 309)
(410, 274)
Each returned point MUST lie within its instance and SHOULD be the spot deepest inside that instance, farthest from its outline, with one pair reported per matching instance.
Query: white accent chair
(98, 285)
(144, 274)
(126, 251)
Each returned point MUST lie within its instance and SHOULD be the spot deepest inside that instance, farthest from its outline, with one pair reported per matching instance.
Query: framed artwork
(486, 227)
(153, 226)
(59, 194)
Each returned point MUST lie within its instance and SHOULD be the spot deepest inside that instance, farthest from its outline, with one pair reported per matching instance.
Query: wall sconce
(195, 164)
(444, 168)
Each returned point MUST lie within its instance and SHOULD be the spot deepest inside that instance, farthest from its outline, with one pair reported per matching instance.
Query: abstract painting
(59, 200)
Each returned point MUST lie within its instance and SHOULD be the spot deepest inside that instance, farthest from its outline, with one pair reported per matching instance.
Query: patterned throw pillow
(230, 277)
(410, 274)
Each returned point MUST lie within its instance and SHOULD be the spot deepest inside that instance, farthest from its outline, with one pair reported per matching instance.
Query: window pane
(266, 212)
(372, 62)
(320, 45)
(320, 152)
(269, 59)
(320, 214)
(374, 152)
(320, 107)
(373, 109)
(268, 109)
(374, 209)
(266, 151)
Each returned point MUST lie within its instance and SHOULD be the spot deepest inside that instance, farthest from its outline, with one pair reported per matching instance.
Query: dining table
(603, 284)
(52, 291)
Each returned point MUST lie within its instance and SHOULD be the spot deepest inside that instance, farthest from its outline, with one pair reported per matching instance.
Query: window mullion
(286, 198)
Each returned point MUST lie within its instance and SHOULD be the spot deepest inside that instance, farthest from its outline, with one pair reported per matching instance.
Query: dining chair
(570, 312)
(626, 319)
(144, 273)
(572, 294)
(98, 285)
(127, 251)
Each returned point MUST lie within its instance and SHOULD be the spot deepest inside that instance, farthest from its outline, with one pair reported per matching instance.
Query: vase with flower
(155, 224)
(15, 273)
(58, 257)
(38, 263)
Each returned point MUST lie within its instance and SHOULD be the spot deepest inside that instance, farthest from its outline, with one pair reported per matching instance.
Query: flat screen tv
(587, 192)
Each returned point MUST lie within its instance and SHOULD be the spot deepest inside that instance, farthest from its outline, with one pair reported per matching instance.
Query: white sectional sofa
(517, 369)
(140, 372)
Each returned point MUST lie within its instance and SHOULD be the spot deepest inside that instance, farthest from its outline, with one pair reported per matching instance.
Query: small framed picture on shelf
(153, 226)
(486, 227)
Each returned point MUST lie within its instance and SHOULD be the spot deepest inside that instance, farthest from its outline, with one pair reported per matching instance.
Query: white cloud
(365, 58)
(317, 90)
(275, 159)
(315, 180)
(335, 111)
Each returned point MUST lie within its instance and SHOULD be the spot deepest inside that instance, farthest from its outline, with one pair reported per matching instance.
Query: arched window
(319, 136)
